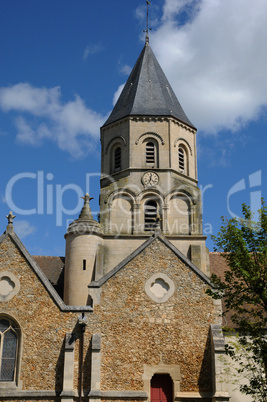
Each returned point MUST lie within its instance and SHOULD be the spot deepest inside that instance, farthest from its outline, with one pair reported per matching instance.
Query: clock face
(150, 179)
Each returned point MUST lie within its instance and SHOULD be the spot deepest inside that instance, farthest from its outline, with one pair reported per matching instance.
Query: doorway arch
(161, 388)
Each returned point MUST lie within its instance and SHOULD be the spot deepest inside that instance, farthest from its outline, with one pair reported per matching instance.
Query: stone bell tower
(148, 183)
(149, 168)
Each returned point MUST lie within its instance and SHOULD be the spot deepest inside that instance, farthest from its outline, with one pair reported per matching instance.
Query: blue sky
(62, 64)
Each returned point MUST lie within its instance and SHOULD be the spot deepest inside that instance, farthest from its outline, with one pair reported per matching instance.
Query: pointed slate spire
(147, 92)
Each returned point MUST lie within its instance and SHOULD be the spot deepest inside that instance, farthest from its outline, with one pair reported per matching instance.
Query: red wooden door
(161, 388)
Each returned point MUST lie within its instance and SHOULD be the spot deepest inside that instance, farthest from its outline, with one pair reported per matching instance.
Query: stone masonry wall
(136, 330)
(43, 325)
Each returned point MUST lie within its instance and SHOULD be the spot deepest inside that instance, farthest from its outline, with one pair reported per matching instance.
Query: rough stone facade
(136, 333)
(43, 326)
(174, 332)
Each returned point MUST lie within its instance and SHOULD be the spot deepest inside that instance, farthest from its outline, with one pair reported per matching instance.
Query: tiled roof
(53, 268)
(147, 92)
(218, 266)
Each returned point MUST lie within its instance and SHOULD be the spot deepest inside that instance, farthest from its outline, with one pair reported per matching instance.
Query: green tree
(243, 243)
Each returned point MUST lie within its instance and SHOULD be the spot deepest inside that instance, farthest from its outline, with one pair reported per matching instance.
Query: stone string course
(31, 400)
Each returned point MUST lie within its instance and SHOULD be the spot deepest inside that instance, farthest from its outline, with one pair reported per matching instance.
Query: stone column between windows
(194, 218)
(136, 219)
(68, 392)
(165, 226)
(108, 218)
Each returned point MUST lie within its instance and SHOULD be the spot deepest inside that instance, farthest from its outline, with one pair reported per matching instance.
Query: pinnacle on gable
(86, 213)
(10, 217)
(85, 224)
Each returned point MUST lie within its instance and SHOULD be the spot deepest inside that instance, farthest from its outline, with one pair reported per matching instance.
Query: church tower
(149, 169)
(148, 183)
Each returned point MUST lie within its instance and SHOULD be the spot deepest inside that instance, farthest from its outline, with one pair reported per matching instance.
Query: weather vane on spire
(147, 29)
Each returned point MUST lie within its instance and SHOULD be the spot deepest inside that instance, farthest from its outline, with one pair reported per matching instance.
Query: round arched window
(181, 159)
(150, 153)
(117, 159)
(151, 215)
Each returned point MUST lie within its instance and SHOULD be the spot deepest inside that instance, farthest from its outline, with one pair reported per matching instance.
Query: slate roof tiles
(147, 92)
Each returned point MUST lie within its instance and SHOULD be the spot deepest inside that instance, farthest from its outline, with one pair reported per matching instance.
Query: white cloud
(92, 49)
(117, 94)
(172, 7)
(27, 135)
(43, 115)
(26, 98)
(140, 13)
(23, 228)
(216, 61)
(126, 70)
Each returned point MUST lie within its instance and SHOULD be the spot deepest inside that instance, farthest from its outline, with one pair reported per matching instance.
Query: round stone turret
(83, 247)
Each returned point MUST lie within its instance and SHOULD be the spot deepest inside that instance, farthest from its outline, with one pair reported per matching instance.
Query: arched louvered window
(8, 349)
(117, 159)
(181, 158)
(150, 153)
(151, 215)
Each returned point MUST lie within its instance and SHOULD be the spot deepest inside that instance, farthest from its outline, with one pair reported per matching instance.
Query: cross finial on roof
(86, 212)
(87, 198)
(10, 217)
(147, 29)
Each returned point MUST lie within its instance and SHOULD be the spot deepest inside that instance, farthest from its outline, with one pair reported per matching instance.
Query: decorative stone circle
(159, 287)
(9, 286)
